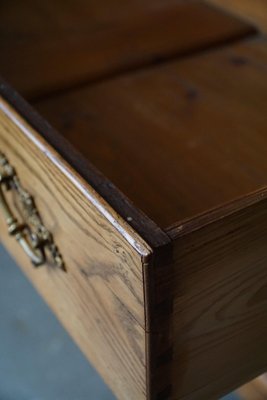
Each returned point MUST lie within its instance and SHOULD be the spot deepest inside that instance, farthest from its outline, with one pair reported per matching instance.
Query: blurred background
(38, 359)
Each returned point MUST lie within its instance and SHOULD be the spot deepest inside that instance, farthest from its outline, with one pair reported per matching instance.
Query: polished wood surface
(188, 135)
(50, 45)
(219, 286)
(100, 299)
(252, 11)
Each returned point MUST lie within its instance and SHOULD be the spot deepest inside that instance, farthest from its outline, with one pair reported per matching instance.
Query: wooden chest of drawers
(141, 216)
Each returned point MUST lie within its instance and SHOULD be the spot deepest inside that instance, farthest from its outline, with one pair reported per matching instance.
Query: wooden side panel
(252, 11)
(220, 301)
(100, 298)
(47, 46)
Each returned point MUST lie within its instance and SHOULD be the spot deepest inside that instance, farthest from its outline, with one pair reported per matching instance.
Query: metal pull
(32, 235)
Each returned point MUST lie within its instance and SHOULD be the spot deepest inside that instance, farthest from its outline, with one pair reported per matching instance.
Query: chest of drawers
(134, 184)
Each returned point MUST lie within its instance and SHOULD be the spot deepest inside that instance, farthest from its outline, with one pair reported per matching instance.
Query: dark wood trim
(184, 227)
(143, 225)
(159, 296)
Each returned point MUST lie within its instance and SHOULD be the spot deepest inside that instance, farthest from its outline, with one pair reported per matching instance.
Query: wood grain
(254, 390)
(188, 322)
(124, 207)
(220, 305)
(52, 45)
(100, 300)
(193, 128)
(216, 281)
(254, 12)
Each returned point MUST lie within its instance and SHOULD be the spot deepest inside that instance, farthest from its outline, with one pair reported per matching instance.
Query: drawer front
(99, 298)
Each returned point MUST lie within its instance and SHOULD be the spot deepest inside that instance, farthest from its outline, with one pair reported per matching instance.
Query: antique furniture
(133, 185)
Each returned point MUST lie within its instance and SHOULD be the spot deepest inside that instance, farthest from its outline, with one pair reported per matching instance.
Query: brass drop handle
(19, 232)
(32, 235)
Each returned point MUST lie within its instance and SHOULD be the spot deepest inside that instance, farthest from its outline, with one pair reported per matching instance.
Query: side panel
(220, 300)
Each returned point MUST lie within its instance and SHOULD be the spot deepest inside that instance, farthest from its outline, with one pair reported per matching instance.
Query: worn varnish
(51, 45)
(100, 298)
(186, 125)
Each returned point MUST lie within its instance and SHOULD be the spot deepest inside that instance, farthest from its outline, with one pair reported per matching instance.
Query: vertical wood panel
(220, 300)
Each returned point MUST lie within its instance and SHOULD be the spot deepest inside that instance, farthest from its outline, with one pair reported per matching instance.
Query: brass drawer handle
(32, 235)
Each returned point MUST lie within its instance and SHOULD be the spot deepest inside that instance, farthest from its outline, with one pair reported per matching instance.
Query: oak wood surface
(194, 128)
(51, 45)
(219, 287)
(100, 299)
(252, 11)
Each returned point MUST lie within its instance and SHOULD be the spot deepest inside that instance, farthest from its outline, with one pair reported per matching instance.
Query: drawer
(150, 186)
(98, 294)
(190, 138)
